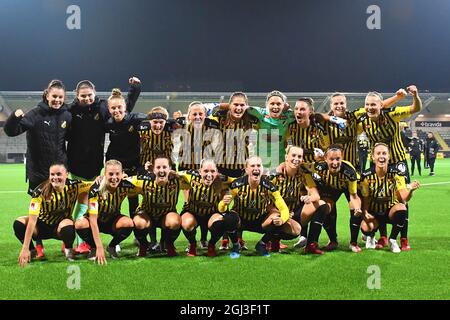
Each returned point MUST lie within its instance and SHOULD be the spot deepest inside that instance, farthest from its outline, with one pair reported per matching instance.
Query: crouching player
(105, 200)
(299, 191)
(260, 207)
(385, 195)
(160, 190)
(208, 187)
(334, 177)
(50, 213)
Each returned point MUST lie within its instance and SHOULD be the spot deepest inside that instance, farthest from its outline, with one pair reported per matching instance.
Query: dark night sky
(210, 45)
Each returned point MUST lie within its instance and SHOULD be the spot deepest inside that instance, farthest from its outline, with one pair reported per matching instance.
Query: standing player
(383, 126)
(385, 194)
(431, 149)
(105, 200)
(50, 213)
(415, 149)
(47, 126)
(86, 139)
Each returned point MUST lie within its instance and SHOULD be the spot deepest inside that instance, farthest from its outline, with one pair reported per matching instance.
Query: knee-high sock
(80, 210)
(190, 235)
(304, 232)
(355, 224)
(152, 234)
(133, 203)
(203, 231)
(120, 235)
(86, 235)
(141, 235)
(230, 224)
(316, 224)
(67, 235)
(19, 231)
(217, 229)
(398, 223)
(404, 230)
(382, 228)
(171, 235)
(329, 224)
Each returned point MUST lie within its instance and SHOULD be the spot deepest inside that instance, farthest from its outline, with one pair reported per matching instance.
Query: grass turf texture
(422, 273)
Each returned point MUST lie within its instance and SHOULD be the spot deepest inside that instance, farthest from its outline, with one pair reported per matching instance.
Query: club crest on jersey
(289, 190)
(131, 129)
(150, 189)
(97, 117)
(252, 204)
(242, 194)
(64, 125)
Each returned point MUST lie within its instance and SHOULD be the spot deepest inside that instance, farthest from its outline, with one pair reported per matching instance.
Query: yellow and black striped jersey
(386, 129)
(252, 204)
(381, 192)
(308, 138)
(105, 203)
(236, 139)
(292, 188)
(159, 199)
(203, 199)
(346, 179)
(59, 205)
(152, 144)
(197, 144)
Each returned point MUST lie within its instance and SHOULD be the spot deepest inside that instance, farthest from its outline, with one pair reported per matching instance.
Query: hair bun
(116, 92)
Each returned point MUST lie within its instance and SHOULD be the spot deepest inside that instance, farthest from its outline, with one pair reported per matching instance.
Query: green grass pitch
(422, 273)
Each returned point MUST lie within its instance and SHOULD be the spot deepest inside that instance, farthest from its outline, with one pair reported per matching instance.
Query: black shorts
(382, 217)
(329, 193)
(234, 173)
(107, 225)
(255, 225)
(46, 231)
(298, 213)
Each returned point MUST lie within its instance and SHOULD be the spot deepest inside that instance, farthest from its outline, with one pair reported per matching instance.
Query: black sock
(39, 242)
(316, 223)
(19, 231)
(304, 232)
(152, 233)
(355, 224)
(268, 233)
(171, 235)
(133, 203)
(190, 235)
(382, 228)
(67, 235)
(231, 222)
(86, 235)
(329, 224)
(120, 235)
(141, 235)
(217, 229)
(404, 231)
(203, 231)
(398, 223)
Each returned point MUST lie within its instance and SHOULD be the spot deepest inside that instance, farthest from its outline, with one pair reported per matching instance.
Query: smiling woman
(47, 125)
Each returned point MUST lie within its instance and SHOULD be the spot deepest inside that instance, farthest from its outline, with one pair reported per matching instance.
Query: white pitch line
(434, 183)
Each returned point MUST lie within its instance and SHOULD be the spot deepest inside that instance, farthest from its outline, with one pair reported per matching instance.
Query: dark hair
(46, 186)
(238, 94)
(161, 155)
(84, 84)
(55, 83)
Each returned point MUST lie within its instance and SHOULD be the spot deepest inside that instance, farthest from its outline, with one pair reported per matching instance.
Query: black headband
(157, 115)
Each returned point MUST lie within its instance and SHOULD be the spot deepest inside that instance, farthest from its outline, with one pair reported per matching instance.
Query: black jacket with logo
(125, 141)
(86, 140)
(46, 137)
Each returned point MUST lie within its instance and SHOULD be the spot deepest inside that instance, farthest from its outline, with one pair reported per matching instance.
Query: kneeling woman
(385, 195)
(105, 199)
(50, 213)
(208, 187)
(160, 191)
